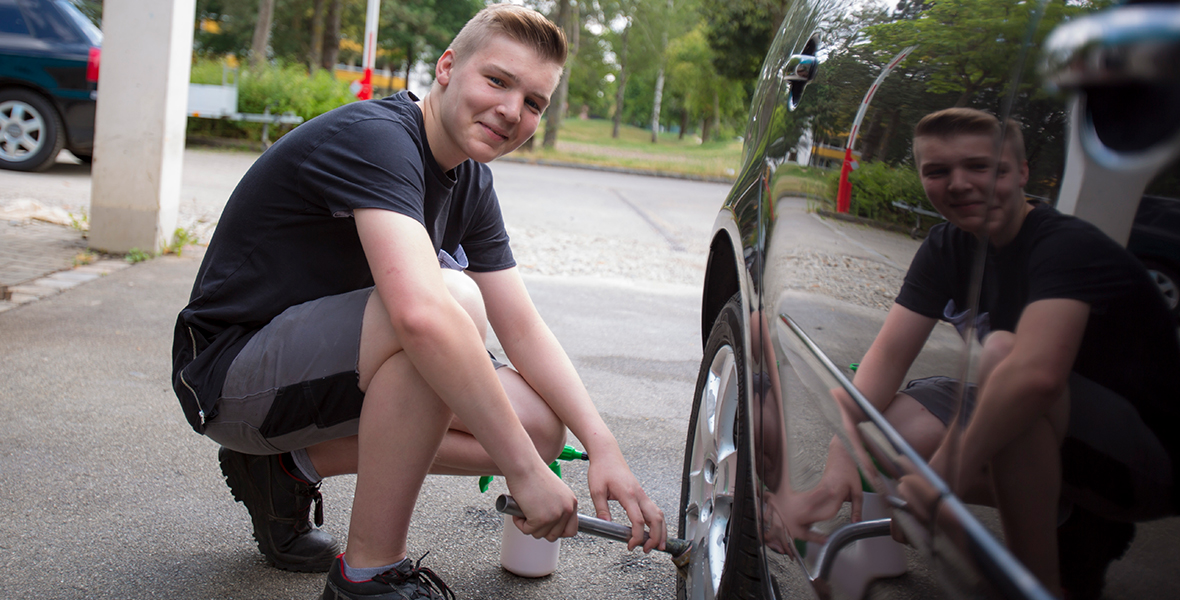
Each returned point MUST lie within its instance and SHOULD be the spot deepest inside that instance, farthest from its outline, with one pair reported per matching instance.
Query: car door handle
(800, 67)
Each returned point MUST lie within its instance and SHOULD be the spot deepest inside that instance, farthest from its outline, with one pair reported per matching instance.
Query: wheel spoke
(712, 474)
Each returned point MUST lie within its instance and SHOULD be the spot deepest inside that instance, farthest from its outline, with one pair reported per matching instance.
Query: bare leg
(401, 426)
(460, 453)
(1026, 478)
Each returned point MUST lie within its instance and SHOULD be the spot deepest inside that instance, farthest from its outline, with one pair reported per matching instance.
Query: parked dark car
(793, 299)
(49, 59)
(1155, 240)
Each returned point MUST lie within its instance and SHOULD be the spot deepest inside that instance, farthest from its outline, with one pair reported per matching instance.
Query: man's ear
(444, 66)
(1023, 173)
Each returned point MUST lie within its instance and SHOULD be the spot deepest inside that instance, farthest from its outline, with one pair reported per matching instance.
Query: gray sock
(367, 573)
(303, 463)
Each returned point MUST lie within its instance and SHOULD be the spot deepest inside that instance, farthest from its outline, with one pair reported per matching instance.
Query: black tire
(1168, 282)
(729, 527)
(31, 133)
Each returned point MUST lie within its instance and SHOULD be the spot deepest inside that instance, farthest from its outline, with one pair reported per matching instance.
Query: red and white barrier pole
(364, 90)
(844, 192)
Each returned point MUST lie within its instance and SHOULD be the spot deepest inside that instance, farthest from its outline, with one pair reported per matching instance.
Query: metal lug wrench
(678, 548)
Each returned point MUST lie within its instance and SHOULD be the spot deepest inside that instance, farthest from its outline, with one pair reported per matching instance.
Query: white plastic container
(525, 555)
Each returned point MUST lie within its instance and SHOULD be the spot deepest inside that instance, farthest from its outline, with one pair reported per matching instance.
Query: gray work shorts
(295, 383)
(1109, 456)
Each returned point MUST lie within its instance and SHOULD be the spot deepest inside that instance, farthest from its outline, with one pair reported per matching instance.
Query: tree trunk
(716, 114)
(683, 122)
(409, 61)
(266, 13)
(655, 108)
(332, 35)
(706, 129)
(659, 91)
(622, 85)
(317, 37)
(570, 23)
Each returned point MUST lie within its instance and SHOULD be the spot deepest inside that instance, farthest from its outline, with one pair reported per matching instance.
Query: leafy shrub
(282, 88)
(876, 186)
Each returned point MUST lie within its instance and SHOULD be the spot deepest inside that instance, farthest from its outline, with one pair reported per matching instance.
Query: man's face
(493, 100)
(970, 187)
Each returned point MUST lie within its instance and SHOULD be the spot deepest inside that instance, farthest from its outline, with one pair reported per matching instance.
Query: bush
(282, 88)
(876, 186)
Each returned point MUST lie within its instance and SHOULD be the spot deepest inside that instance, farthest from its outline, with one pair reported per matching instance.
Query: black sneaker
(1086, 545)
(405, 581)
(279, 505)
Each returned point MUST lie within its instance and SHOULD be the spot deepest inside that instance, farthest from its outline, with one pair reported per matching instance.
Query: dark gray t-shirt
(1130, 344)
(287, 235)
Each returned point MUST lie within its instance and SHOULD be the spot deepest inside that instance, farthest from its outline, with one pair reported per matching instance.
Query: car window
(12, 21)
(83, 22)
(46, 23)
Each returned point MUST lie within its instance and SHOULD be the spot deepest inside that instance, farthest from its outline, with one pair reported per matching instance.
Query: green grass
(590, 142)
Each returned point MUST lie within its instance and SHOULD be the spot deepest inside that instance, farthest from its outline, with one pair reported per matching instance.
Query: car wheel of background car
(30, 131)
(1168, 282)
(717, 502)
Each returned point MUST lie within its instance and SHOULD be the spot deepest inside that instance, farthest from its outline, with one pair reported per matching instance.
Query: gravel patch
(545, 252)
(861, 281)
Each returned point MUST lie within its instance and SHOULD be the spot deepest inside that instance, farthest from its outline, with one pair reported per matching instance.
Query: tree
(740, 31)
(703, 95)
(266, 11)
(316, 57)
(569, 19)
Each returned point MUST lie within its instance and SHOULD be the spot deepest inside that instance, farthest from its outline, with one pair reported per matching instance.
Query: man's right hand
(549, 505)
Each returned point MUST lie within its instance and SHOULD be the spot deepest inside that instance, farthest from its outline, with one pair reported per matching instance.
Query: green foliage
(79, 222)
(281, 88)
(740, 31)
(180, 238)
(876, 186)
(591, 77)
(135, 255)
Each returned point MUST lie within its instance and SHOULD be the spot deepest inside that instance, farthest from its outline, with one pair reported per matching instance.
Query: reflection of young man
(322, 337)
(1076, 404)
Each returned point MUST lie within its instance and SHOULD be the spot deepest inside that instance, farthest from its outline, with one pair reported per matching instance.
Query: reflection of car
(49, 56)
(769, 397)
(1155, 240)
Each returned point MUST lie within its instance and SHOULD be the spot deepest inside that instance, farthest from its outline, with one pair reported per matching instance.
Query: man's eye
(496, 81)
(534, 105)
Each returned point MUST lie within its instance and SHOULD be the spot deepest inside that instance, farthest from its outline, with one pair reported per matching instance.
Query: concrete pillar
(140, 122)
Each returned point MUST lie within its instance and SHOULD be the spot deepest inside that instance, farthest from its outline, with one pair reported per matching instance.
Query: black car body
(49, 59)
(781, 334)
(1155, 240)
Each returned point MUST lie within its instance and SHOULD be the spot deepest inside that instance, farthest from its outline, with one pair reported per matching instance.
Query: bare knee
(996, 347)
(541, 423)
(464, 290)
(918, 426)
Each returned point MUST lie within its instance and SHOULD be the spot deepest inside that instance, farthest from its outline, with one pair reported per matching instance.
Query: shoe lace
(421, 577)
(313, 492)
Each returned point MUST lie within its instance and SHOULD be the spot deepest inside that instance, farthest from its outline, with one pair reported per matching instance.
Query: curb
(55, 283)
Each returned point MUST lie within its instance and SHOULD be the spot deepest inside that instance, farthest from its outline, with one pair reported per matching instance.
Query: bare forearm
(1010, 400)
(545, 366)
(446, 344)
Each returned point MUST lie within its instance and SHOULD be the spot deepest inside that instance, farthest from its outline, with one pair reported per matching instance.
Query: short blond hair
(951, 122)
(523, 25)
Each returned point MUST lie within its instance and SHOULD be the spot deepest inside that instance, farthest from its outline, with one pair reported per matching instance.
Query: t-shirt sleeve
(485, 238)
(1078, 263)
(371, 163)
(926, 288)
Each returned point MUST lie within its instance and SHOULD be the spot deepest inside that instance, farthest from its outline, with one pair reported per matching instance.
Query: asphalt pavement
(109, 493)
